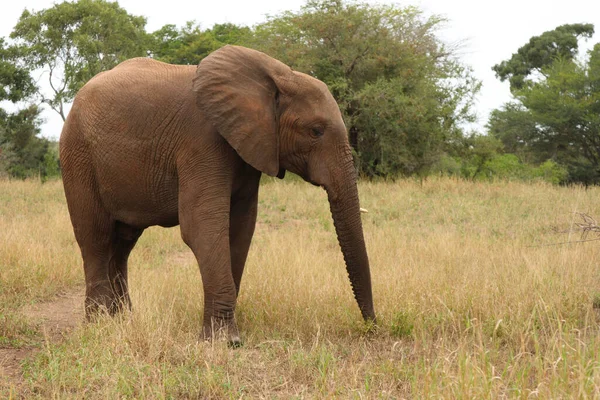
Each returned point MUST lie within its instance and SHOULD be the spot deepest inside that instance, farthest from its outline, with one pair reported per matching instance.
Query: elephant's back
(133, 96)
(142, 70)
(139, 80)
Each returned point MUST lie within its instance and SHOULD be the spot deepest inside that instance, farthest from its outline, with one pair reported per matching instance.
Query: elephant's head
(278, 119)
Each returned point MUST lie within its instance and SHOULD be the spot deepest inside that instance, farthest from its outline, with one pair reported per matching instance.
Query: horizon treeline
(406, 97)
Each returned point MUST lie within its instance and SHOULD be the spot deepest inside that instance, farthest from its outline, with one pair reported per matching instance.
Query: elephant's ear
(237, 91)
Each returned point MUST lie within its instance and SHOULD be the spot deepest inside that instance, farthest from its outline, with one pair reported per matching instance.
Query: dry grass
(467, 309)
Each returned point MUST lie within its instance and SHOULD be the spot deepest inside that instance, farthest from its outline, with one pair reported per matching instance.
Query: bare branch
(588, 225)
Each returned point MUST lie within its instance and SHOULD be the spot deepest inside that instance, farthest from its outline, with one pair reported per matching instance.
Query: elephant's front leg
(204, 219)
(244, 207)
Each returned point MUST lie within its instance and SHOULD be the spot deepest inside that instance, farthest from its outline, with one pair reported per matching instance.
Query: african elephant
(148, 143)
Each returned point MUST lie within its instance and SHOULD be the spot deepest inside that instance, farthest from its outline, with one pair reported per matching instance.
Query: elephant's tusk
(364, 210)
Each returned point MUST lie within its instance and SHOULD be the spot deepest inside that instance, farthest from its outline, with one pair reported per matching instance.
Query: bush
(447, 166)
(509, 167)
(552, 172)
(500, 167)
(50, 166)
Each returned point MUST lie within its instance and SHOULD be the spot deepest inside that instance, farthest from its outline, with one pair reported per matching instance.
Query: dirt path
(55, 318)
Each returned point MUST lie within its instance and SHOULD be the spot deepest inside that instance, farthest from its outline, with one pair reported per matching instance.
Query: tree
(541, 52)
(515, 127)
(21, 152)
(7, 155)
(15, 82)
(20, 149)
(190, 44)
(478, 151)
(557, 116)
(73, 41)
(566, 108)
(397, 132)
(402, 93)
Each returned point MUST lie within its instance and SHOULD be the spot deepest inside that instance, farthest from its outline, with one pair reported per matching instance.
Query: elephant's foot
(102, 298)
(221, 329)
(110, 306)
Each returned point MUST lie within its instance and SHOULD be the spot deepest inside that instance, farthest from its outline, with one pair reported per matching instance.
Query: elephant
(149, 143)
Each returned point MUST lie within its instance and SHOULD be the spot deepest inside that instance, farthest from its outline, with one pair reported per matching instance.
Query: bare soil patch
(55, 318)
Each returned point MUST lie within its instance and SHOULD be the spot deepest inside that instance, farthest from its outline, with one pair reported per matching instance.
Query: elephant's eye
(317, 132)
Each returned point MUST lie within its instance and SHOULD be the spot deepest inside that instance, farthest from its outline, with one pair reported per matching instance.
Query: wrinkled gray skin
(149, 143)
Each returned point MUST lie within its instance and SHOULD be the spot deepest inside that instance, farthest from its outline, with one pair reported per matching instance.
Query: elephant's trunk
(345, 209)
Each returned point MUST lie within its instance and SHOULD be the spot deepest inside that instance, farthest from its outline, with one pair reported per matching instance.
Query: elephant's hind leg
(95, 240)
(106, 252)
(124, 239)
(104, 243)
(93, 229)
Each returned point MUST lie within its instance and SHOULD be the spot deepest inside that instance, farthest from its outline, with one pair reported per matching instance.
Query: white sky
(490, 30)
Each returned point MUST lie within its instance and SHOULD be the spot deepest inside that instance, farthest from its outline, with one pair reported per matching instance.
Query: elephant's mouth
(310, 178)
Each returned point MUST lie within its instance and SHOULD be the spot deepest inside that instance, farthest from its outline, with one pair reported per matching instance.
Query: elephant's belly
(145, 218)
(137, 184)
(140, 204)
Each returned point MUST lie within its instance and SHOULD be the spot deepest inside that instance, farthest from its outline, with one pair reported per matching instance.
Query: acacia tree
(73, 41)
(401, 90)
(540, 52)
(555, 116)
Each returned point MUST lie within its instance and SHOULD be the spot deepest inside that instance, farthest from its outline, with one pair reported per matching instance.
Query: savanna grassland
(468, 307)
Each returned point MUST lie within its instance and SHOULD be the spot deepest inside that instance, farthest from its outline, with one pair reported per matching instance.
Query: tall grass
(467, 307)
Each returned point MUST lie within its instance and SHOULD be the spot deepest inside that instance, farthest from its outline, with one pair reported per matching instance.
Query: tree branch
(58, 95)
(353, 63)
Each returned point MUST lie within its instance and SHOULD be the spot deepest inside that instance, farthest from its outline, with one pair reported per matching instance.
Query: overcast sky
(489, 30)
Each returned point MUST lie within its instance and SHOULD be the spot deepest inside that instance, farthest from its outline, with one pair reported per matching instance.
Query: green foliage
(566, 108)
(7, 155)
(190, 44)
(404, 132)
(541, 52)
(75, 41)
(447, 165)
(19, 148)
(509, 167)
(50, 166)
(557, 117)
(477, 152)
(402, 93)
(518, 131)
(22, 153)
(506, 166)
(15, 82)
(480, 158)
(552, 172)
